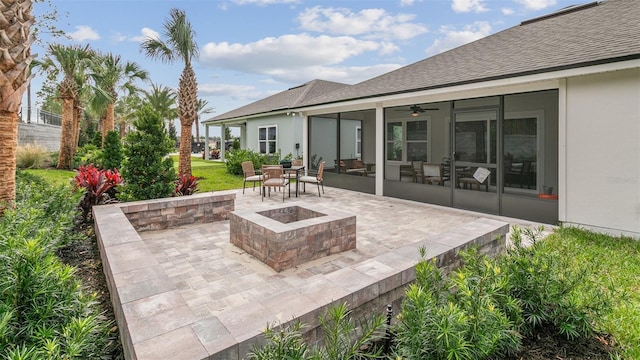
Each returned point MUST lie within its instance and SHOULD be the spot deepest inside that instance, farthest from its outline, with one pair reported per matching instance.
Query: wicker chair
(273, 177)
(318, 180)
(250, 175)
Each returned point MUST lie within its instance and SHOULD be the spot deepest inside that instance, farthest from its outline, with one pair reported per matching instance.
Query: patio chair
(318, 180)
(249, 174)
(432, 174)
(273, 177)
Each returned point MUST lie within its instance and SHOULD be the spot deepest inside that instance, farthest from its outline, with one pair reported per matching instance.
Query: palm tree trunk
(197, 125)
(65, 154)
(109, 123)
(77, 118)
(9, 141)
(184, 163)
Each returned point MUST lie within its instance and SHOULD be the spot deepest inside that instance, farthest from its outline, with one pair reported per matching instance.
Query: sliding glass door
(474, 163)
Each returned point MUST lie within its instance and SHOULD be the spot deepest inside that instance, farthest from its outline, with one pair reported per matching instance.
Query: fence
(38, 116)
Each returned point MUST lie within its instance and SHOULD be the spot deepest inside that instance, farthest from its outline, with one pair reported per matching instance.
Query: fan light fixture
(414, 114)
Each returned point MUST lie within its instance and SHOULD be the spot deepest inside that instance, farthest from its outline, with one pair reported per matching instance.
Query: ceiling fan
(417, 110)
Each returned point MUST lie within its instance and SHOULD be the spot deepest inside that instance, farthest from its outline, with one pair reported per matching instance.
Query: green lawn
(616, 263)
(212, 175)
(53, 176)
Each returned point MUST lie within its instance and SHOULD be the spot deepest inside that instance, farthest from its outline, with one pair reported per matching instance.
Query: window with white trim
(268, 139)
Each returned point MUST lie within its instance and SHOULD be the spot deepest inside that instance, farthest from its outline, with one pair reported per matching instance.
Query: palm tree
(15, 25)
(163, 101)
(113, 76)
(70, 62)
(125, 111)
(201, 108)
(180, 45)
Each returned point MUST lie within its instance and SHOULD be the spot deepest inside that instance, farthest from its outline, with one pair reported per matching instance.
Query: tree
(179, 45)
(201, 109)
(69, 62)
(16, 39)
(112, 151)
(163, 100)
(147, 170)
(125, 112)
(113, 76)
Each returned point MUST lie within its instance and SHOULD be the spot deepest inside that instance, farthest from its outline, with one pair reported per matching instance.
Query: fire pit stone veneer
(288, 236)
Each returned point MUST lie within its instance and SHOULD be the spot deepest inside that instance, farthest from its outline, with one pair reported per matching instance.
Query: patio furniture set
(279, 177)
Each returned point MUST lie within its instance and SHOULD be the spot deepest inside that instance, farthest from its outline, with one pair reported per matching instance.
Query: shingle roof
(593, 33)
(290, 98)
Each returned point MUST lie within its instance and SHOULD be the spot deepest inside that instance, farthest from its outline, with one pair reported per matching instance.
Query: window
(358, 141)
(268, 139)
(394, 141)
(417, 140)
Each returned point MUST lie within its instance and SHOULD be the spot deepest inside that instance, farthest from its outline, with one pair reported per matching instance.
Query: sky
(251, 49)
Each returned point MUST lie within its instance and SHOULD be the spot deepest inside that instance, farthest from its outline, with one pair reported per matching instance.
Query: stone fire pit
(288, 236)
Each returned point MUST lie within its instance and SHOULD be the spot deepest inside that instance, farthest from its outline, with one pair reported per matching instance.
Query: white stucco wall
(602, 174)
(289, 133)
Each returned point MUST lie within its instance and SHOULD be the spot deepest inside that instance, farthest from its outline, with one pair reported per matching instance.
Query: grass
(53, 176)
(212, 175)
(618, 265)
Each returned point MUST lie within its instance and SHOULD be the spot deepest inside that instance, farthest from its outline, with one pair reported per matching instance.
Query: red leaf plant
(186, 185)
(99, 186)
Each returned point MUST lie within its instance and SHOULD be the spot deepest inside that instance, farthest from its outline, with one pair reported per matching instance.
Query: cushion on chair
(307, 178)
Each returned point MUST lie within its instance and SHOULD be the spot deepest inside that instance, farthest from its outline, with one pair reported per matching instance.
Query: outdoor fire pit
(288, 236)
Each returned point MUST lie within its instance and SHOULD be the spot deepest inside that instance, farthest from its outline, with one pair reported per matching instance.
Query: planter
(285, 163)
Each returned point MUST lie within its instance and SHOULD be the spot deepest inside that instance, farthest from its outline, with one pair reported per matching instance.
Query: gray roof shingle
(593, 33)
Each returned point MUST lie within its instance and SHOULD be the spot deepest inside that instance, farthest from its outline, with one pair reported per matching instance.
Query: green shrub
(147, 170)
(31, 157)
(464, 316)
(88, 154)
(44, 313)
(552, 291)
(113, 157)
(344, 339)
(96, 140)
(235, 158)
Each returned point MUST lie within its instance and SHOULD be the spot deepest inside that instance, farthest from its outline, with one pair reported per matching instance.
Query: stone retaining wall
(130, 268)
(161, 214)
(47, 136)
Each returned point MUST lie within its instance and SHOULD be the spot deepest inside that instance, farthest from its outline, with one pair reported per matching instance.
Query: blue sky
(250, 49)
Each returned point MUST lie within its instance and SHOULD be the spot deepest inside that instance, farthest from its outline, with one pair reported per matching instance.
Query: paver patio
(212, 300)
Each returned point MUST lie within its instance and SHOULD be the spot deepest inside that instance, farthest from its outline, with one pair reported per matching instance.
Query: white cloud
(232, 91)
(507, 11)
(344, 74)
(83, 33)
(404, 3)
(536, 4)
(369, 23)
(463, 6)
(454, 38)
(145, 33)
(284, 53)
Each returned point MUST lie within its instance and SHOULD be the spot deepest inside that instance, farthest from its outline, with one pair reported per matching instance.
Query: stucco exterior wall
(289, 133)
(602, 172)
